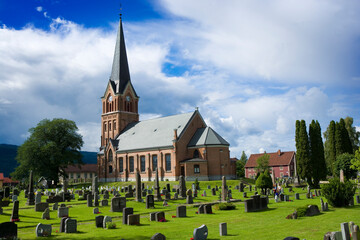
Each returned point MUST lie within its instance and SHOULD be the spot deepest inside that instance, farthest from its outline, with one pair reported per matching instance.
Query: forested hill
(8, 162)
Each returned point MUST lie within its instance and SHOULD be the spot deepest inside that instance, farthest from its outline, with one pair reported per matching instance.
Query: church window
(168, 162)
(109, 126)
(110, 158)
(196, 154)
(131, 163)
(110, 169)
(105, 127)
(121, 164)
(114, 125)
(142, 163)
(196, 168)
(154, 162)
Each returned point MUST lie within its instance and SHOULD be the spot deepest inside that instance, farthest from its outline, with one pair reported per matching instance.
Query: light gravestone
(43, 230)
(200, 233)
(107, 219)
(342, 176)
(46, 214)
(157, 187)
(223, 229)
(63, 212)
(224, 189)
(38, 198)
(62, 224)
(345, 231)
(94, 187)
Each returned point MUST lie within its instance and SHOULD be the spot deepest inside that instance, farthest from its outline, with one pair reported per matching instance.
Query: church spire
(120, 75)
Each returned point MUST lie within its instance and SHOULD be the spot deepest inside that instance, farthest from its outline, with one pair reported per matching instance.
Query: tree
(240, 165)
(263, 163)
(353, 134)
(355, 162)
(51, 147)
(330, 149)
(302, 153)
(317, 153)
(343, 162)
(342, 139)
(264, 181)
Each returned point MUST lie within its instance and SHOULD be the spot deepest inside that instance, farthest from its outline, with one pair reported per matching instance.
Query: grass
(269, 224)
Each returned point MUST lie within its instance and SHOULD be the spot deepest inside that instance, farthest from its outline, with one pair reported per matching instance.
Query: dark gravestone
(89, 200)
(16, 192)
(357, 199)
(291, 238)
(43, 230)
(104, 202)
(99, 221)
(70, 225)
(207, 209)
(224, 189)
(46, 214)
(63, 212)
(200, 233)
(201, 209)
(223, 229)
(133, 219)
(152, 216)
(8, 230)
(7, 192)
(181, 211)
(31, 196)
(312, 210)
(157, 187)
(40, 207)
(126, 212)
(168, 187)
(182, 187)
(241, 187)
(159, 216)
(158, 236)
(96, 200)
(297, 196)
(118, 204)
(62, 224)
(150, 201)
(213, 191)
(15, 211)
(54, 199)
(138, 187)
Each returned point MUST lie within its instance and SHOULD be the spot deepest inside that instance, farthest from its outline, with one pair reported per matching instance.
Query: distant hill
(8, 154)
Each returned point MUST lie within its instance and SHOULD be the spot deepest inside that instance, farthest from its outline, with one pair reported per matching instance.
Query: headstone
(157, 187)
(96, 199)
(167, 196)
(159, 216)
(241, 187)
(63, 212)
(342, 177)
(168, 187)
(213, 191)
(43, 230)
(133, 219)
(138, 187)
(55, 206)
(182, 187)
(95, 187)
(118, 204)
(355, 233)
(46, 214)
(223, 229)
(152, 216)
(15, 212)
(41, 206)
(297, 196)
(99, 221)
(224, 189)
(189, 199)
(357, 199)
(250, 188)
(150, 201)
(158, 236)
(204, 193)
(62, 224)
(104, 202)
(312, 210)
(96, 210)
(176, 195)
(181, 211)
(244, 195)
(70, 225)
(89, 200)
(8, 230)
(31, 197)
(200, 233)
(201, 209)
(106, 220)
(106, 195)
(38, 198)
(345, 231)
(207, 209)
(126, 212)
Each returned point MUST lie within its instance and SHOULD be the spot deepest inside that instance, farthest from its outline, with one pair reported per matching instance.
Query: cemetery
(136, 210)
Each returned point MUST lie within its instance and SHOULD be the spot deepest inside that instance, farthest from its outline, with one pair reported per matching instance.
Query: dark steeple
(120, 75)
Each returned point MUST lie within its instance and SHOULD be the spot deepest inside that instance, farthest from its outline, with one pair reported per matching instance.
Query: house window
(110, 169)
(281, 174)
(71, 175)
(85, 175)
(90, 175)
(196, 154)
(142, 163)
(78, 175)
(131, 163)
(154, 162)
(121, 164)
(110, 158)
(196, 168)
(281, 167)
(168, 162)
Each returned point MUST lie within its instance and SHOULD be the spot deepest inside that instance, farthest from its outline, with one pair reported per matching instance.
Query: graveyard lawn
(268, 224)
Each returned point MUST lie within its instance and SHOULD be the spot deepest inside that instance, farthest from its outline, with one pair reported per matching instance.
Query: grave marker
(200, 233)
(106, 220)
(70, 225)
(126, 212)
(223, 229)
(43, 230)
(181, 211)
(133, 219)
(99, 221)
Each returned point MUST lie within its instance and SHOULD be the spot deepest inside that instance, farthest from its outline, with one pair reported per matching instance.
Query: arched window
(196, 154)
(110, 158)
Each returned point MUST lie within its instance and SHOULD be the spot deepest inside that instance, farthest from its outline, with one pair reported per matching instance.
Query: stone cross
(157, 187)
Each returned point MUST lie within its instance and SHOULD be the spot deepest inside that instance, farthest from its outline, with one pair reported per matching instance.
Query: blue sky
(252, 67)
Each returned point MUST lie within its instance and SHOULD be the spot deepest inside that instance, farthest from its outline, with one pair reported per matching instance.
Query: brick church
(175, 145)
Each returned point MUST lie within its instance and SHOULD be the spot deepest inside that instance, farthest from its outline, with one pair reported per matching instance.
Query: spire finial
(120, 10)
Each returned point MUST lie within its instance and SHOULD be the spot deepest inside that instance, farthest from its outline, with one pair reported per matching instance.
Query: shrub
(111, 225)
(226, 206)
(338, 194)
(301, 211)
(81, 198)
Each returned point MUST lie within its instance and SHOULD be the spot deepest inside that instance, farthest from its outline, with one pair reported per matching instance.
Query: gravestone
(201, 209)
(158, 236)
(182, 187)
(255, 203)
(31, 196)
(204, 193)
(95, 187)
(241, 187)
(345, 231)
(200, 233)
(150, 201)
(106, 220)
(43, 230)
(62, 224)
(138, 187)
(213, 191)
(55, 206)
(41, 206)
(167, 196)
(224, 189)
(46, 214)
(342, 176)
(99, 221)
(63, 212)
(168, 187)
(37, 197)
(250, 188)
(104, 202)
(106, 194)
(297, 196)
(96, 199)
(159, 216)
(157, 187)
(118, 204)
(181, 211)
(152, 216)
(207, 209)
(89, 200)
(133, 219)
(355, 233)
(126, 212)
(176, 195)
(244, 195)
(96, 210)
(357, 199)
(223, 229)
(15, 212)
(8, 230)
(189, 199)
(312, 210)
(70, 225)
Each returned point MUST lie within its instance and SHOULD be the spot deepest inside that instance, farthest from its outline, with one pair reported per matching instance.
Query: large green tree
(330, 149)
(317, 153)
(51, 147)
(343, 162)
(355, 162)
(263, 163)
(353, 134)
(342, 139)
(264, 181)
(240, 165)
(304, 166)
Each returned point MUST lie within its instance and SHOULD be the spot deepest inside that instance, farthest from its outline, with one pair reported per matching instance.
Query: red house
(282, 164)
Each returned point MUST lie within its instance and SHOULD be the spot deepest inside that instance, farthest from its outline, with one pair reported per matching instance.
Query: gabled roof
(1, 176)
(206, 136)
(154, 133)
(81, 168)
(276, 159)
(120, 74)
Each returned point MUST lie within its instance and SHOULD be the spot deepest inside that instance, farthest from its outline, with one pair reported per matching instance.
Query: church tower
(120, 101)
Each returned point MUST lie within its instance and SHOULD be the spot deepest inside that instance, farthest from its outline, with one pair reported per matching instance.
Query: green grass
(269, 224)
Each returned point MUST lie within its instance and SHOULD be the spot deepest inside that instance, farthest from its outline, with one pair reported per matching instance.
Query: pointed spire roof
(120, 74)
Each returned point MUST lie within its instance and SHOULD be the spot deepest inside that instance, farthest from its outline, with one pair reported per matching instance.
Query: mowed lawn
(268, 224)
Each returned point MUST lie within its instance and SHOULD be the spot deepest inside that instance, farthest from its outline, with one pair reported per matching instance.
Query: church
(175, 145)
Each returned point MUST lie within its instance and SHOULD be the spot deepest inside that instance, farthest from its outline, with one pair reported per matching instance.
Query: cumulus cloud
(39, 8)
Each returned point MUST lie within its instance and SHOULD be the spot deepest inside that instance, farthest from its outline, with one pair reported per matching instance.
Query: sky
(252, 67)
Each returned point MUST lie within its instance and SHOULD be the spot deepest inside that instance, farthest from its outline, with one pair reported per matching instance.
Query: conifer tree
(342, 139)
(302, 153)
(316, 153)
(330, 149)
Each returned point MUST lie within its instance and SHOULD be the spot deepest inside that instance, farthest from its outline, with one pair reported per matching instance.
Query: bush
(338, 194)
(81, 198)
(111, 225)
(301, 211)
(226, 206)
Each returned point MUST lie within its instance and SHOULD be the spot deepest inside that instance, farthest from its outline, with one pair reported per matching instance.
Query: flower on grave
(15, 220)
(191, 238)
(202, 195)
(173, 216)
(56, 230)
(162, 220)
(197, 212)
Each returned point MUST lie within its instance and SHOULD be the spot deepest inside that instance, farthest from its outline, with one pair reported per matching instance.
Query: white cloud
(39, 8)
